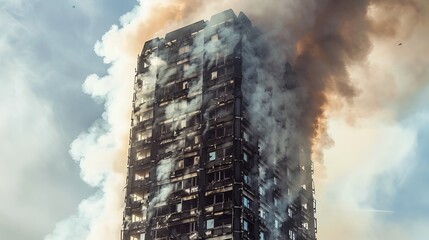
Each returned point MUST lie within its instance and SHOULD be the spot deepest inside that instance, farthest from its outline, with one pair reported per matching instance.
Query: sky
(67, 70)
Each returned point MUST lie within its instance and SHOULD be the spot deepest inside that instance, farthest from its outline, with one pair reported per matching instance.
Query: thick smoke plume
(328, 44)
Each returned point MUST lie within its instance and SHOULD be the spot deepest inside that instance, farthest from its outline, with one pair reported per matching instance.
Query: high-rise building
(194, 166)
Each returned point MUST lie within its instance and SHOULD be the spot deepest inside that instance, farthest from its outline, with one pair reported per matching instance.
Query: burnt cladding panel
(223, 16)
(185, 31)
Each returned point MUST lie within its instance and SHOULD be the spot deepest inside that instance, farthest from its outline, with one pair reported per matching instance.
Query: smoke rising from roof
(329, 44)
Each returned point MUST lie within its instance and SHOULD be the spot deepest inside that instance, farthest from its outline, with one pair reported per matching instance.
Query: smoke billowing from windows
(323, 41)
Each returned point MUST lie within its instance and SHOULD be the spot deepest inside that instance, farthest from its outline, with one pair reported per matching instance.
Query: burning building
(198, 168)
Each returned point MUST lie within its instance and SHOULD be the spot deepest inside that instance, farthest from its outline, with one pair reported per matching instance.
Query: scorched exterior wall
(193, 166)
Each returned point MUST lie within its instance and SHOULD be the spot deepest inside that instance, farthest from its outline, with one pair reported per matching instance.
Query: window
(215, 38)
(143, 154)
(192, 226)
(189, 182)
(218, 198)
(245, 225)
(262, 236)
(161, 233)
(276, 223)
(246, 202)
(136, 217)
(185, 66)
(214, 75)
(145, 116)
(245, 157)
(246, 179)
(210, 224)
(245, 136)
(179, 207)
(135, 237)
(290, 212)
(180, 164)
(276, 202)
(263, 213)
(292, 235)
(164, 129)
(178, 185)
(197, 139)
(305, 225)
(144, 135)
(229, 69)
(184, 49)
(141, 175)
(212, 156)
(136, 197)
(181, 124)
(261, 191)
(220, 58)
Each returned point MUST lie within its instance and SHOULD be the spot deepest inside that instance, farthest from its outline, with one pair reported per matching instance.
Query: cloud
(350, 69)
(42, 72)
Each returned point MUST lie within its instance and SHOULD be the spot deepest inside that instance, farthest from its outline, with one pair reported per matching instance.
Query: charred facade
(194, 164)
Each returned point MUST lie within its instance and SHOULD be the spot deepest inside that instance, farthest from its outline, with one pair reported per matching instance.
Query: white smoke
(102, 151)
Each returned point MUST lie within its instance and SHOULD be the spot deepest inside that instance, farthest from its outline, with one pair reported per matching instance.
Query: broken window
(276, 223)
(190, 182)
(220, 58)
(197, 139)
(145, 116)
(261, 191)
(290, 212)
(224, 109)
(135, 197)
(213, 75)
(178, 186)
(190, 204)
(292, 235)
(136, 217)
(176, 208)
(136, 237)
(165, 129)
(212, 156)
(219, 176)
(218, 198)
(184, 49)
(305, 225)
(304, 206)
(276, 202)
(189, 161)
(185, 67)
(141, 175)
(263, 213)
(161, 233)
(229, 69)
(143, 154)
(262, 236)
(214, 38)
(144, 135)
(163, 210)
(246, 136)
